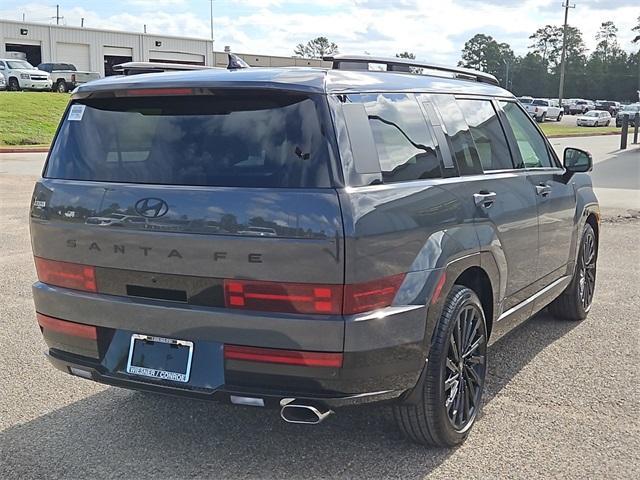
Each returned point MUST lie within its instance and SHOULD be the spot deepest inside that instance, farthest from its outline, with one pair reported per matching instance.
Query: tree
(608, 40)
(482, 52)
(406, 54)
(317, 48)
(547, 42)
(636, 29)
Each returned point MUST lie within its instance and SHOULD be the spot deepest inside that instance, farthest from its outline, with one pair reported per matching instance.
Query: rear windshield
(543, 103)
(232, 139)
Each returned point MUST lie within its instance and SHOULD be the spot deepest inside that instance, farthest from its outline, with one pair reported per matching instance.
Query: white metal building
(99, 50)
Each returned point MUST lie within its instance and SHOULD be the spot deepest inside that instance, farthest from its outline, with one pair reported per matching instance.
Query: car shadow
(118, 433)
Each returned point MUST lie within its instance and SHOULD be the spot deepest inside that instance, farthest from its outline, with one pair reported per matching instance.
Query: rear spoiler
(136, 68)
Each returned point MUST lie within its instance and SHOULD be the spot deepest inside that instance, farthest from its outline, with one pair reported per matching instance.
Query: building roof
(310, 80)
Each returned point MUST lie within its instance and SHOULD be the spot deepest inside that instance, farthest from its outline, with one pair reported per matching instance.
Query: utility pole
(567, 5)
(211, 18)
(58, 17)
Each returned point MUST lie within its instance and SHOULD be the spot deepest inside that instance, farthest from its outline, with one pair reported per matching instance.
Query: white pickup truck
(66, 77)
(542, 109)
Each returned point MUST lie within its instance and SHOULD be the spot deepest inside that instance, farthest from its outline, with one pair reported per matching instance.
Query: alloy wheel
(465, 368)
(587, 270)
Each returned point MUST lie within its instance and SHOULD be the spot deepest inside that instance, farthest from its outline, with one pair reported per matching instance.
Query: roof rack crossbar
(352, 62)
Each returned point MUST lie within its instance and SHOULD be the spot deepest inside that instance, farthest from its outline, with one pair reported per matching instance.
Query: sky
(435, 30)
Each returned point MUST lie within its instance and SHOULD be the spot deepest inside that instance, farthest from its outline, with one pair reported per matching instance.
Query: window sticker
(76, 113)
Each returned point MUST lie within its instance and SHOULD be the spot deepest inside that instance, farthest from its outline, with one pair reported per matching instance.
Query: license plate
(160, 358)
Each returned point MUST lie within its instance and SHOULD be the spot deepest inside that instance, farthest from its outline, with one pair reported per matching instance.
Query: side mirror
(577, 161)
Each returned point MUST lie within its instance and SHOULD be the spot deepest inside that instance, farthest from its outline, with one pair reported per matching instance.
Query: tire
(13, 85)
(427, 419)
(559, 118)
(607, 124)
(542, 118)
(61, 86)
(575, 302)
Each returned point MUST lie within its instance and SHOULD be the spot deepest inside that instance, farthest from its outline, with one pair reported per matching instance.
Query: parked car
(21, 75)
(581, 106)
(543, 109)
(629, 110)
(594, 118)
(3, 82)
(378, 281)
(609, 106)
(566, 105)
(66, 77)
(525, 100)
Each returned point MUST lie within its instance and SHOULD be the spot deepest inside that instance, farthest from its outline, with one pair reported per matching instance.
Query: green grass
(30, 118)
(558, 130)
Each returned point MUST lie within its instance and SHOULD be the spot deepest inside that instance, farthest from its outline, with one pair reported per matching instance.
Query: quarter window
(406, 148)
(487, 133)
(531, 144)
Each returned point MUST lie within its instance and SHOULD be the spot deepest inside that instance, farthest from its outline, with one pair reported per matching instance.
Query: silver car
(594, 118)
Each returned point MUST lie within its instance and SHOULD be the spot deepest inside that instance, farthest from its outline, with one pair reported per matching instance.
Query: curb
(571, 135)
(24, 150)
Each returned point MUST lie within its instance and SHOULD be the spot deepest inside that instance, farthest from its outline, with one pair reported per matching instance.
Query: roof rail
(360, 62)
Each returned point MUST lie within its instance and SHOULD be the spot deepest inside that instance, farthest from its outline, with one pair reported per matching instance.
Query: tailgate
(262, 234)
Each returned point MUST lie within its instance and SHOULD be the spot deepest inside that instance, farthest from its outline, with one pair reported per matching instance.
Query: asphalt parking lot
(561, 400)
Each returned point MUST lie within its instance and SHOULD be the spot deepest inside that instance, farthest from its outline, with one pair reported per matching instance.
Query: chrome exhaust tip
(293, 411)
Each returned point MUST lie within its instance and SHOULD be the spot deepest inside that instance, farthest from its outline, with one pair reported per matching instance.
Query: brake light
(283, 297)
(73, 78)
(65, 274)
(152, 92)
(364, 297)
(287, 357)
(68, 328)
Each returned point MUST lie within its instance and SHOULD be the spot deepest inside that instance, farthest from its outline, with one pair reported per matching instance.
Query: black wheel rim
(587, 270)
(465, 368)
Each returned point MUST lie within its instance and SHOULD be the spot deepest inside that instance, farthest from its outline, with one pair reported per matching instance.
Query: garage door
(75, 53)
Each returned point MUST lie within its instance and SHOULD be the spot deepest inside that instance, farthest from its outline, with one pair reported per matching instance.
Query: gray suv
(305, 239)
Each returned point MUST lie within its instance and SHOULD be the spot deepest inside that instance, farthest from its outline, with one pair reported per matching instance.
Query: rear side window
(531, 144)
(487, 134)
(240, 140)
(462, 144)
(406, 148)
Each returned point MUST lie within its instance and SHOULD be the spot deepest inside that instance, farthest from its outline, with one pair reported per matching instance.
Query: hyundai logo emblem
(151, 207)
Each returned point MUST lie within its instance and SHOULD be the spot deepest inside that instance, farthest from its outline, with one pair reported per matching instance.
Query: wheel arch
(477, 279)
(469, 272)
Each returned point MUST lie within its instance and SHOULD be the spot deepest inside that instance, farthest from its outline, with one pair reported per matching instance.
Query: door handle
(543, 190)
(484, 199)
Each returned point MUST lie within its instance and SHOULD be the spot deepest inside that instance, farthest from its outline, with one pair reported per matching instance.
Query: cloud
(434, 31)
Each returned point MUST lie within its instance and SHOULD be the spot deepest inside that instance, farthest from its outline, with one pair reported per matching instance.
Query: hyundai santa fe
(305, 239)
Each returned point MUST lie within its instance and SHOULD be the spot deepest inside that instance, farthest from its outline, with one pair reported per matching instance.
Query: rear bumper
(383, 354)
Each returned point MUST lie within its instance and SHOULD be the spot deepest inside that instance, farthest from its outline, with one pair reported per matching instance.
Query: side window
(531, 144)
(406, 148)
(462, 144)
(487, 133)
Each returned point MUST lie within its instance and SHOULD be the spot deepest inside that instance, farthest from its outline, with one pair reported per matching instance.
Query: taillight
(283, 297)
(147, 92)
(364, 297)
(310, 298)
(287, 357)
(65, 274)
(68, 328)
(73, 78)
